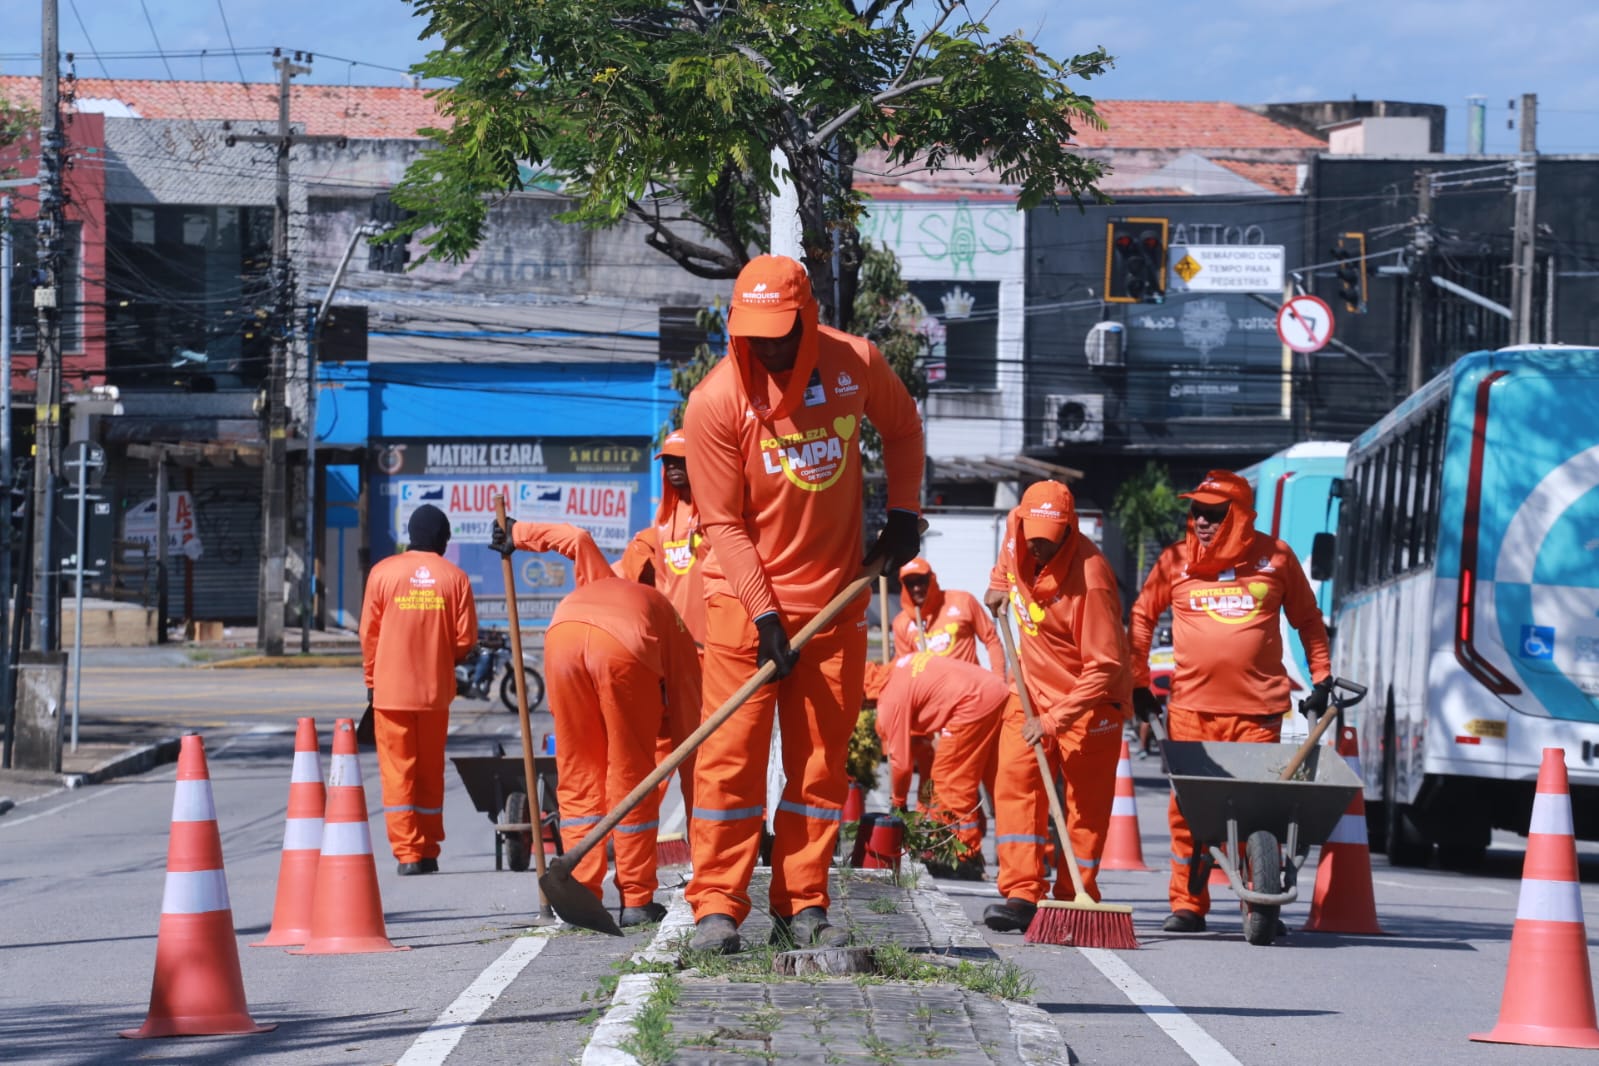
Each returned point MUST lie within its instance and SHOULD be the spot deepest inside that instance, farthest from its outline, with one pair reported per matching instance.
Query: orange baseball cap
(675, 445)
(916, 567)
(1047, 511)
(1222, 486)
(768, 295)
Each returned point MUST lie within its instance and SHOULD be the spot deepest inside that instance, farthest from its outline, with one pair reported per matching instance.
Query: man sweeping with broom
(1066, 607)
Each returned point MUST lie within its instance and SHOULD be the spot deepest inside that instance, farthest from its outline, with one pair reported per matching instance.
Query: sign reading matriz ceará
(546, 455)
(1241, 268)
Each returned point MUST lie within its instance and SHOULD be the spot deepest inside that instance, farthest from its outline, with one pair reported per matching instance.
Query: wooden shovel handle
(1310, 742)
(515, 624)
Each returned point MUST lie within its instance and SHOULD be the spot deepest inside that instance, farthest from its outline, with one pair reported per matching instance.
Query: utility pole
(1524, 237)
(1420, 275)
(47, 307)
(6, 619)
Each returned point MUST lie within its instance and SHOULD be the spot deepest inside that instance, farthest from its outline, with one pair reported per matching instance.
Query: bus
(1466, 597)
(1294, 502)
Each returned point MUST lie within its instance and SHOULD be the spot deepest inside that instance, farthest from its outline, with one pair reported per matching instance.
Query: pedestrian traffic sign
(1305, 323)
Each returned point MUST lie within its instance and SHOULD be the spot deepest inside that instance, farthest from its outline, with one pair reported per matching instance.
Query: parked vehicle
(489, 664)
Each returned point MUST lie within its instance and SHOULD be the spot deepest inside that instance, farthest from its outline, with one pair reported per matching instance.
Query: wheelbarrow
(1232, 793)
(498, 787)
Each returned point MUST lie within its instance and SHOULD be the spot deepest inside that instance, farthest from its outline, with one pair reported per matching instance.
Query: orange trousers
(1085, 753)
(411, 765)
(924, 750)
(1187, 725)
(666, 741)
(964, 754)
(817, 705)
(608, 709)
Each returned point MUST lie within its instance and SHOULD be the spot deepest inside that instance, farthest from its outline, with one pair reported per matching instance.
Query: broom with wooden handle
(1080, 922)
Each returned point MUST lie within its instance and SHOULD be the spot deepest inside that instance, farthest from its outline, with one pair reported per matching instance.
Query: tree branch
(820, 136)
(701, 260)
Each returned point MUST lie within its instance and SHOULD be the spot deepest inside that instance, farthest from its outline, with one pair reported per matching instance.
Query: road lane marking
(439, 1039)
(1199, 1045)
(1440, 886)
(4, 822)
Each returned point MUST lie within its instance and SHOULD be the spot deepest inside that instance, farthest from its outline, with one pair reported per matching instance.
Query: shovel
(575, 904)
(515, 624)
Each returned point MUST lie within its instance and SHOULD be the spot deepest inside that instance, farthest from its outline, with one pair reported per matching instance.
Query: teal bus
(1466, 598)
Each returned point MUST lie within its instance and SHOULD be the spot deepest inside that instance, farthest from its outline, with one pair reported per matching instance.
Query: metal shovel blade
(574, 903)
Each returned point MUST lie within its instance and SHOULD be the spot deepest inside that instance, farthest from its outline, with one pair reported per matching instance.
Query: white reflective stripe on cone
(1551, 813)
(195, 892)
(192, 802)
(1124, 768)
(307, 768)
(1351, 829)
(302, 834)
(346, 771)
(1550, 901)
(346, 838)
(1123, 805)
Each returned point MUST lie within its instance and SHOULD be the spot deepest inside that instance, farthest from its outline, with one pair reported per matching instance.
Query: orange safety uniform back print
(422, 605)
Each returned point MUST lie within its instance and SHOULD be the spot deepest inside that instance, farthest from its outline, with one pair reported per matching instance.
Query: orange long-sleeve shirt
(679, 563)
(418, 619)
(778, 480)
(1226, 631)
(587, 560)
(926, 693)
(953, 630)
(1070, 636)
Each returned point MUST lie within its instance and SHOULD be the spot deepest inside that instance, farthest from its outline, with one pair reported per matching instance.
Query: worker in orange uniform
(668, 553)
(1226, 584)
(621, 670)
(962, 704)
(944, 622)
(418, 620)
(1066, 606)
(774, 445)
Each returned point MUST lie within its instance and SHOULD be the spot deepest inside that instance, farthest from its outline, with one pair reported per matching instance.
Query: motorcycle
(489, 659)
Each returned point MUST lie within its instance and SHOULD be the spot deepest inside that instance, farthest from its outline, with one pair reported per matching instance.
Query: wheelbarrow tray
(490, 778)
(1216, 781)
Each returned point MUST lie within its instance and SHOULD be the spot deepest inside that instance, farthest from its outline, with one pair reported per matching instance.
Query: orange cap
(768, 296)
(916, 567)
(1222, 486)
(675, 444)
(1047, 511)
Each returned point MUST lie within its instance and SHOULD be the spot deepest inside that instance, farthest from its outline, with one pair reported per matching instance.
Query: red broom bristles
(671, 849)
(1081, 925)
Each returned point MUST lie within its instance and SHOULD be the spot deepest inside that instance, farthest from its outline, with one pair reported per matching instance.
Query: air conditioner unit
(1074, 418)
(1105, 344)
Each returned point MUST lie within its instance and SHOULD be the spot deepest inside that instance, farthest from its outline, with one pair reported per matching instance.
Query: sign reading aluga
(1225, 268)
(1305, 323)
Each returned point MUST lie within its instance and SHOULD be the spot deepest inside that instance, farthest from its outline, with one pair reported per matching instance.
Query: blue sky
(1247, 51)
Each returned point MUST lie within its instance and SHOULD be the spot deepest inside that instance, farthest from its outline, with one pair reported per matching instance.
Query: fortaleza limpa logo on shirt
(679, 554)
(813, 459)
(423, 578)
(1230, 604)
(941, 640)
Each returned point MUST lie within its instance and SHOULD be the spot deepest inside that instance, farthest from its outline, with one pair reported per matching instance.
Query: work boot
(430, 866)
(1184, 922)
(643, 915)
(411, 869)
(1012, 916)
(716, 933)
(808, 929)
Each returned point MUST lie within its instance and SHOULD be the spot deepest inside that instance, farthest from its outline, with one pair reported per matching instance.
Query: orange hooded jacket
(1225, 601)
(1071, 641)
(950, 622)
(776, 460)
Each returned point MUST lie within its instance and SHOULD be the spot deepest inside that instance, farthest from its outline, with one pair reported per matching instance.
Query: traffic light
(1350, 255)
(1135, 260)
(388, 257)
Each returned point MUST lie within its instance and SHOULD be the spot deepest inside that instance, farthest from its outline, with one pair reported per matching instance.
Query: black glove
(366, 728)
(1146, 704)
(899, 541)
(1315, 704)
(774, 645)
(500, 539)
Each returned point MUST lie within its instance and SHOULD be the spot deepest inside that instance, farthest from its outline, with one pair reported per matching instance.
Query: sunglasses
(1211, 513)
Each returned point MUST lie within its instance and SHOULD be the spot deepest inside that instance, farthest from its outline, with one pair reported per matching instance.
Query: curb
(312, 661)
(134, 761)
(605, 1046)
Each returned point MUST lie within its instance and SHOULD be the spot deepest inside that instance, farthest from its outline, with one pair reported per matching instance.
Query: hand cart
(498, 787)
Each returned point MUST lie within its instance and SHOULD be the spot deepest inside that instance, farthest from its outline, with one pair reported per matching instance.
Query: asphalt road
(81, 877)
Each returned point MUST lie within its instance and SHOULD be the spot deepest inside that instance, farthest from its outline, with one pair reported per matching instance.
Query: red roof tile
(1189, 124)
(1282, 178)
(353, 111)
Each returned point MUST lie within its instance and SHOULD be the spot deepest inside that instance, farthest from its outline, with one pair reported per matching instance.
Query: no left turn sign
(1305, 323)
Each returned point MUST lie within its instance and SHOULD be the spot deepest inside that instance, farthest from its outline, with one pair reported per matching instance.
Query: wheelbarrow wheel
(518, 845)
(1264, 874)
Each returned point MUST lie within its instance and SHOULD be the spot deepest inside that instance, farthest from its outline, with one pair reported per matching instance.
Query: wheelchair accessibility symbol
(1538, 642)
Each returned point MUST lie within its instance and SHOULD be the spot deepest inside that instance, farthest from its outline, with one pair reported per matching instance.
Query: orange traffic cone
(1548, 998)
(346, 910)
(198, 989)
(1344, 902)
(302, 844)
(1123, 850)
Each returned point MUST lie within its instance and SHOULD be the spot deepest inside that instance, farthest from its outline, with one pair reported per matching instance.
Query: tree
(1147, 507)
(16, 123)
(674, 112)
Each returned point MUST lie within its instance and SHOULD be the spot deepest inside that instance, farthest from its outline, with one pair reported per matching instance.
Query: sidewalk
(938, 994)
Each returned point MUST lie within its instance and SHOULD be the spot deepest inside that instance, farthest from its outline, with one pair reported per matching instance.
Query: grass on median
(651, 1040)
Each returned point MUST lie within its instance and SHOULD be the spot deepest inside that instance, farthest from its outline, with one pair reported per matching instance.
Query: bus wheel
(1405, 844)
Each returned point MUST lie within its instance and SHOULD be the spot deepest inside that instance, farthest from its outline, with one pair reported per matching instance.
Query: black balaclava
(429, 529)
